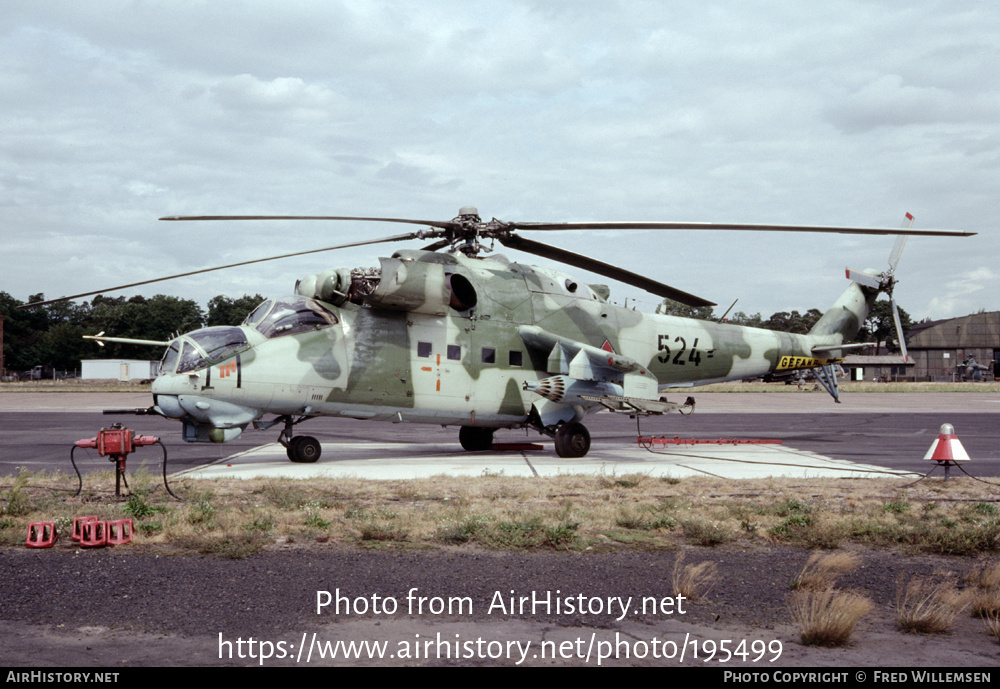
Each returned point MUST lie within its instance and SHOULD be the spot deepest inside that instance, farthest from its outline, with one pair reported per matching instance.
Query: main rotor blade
(443, 224)
(626, 225)
(601, 268)
(396, 238)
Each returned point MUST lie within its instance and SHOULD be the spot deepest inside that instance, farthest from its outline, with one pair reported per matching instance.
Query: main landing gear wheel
(303, 448)
(572, 440)
(475, 439)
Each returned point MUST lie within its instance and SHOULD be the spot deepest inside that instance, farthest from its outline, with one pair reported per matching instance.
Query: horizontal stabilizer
(833, 351)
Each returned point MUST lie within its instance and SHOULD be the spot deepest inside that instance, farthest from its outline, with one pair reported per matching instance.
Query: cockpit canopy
(204, 347)
(273, 318)
(288, 316)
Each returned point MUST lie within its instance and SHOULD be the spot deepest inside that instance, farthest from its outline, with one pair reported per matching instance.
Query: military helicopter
(450, 335)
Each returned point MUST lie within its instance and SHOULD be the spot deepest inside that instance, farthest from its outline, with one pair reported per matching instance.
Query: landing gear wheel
(572, 440)
(475, 439)
(304, 449)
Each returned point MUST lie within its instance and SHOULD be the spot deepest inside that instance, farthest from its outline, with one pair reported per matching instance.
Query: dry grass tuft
(928, 605)
(984, 583)
(992, 620)
(985, 575)
(694, 581)
(821, 570)
(828, 617)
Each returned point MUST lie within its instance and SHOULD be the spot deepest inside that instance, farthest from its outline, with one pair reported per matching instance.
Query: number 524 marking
(678, 358)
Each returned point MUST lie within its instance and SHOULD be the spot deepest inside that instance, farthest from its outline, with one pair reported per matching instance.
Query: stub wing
(587, 376)
(577, 359)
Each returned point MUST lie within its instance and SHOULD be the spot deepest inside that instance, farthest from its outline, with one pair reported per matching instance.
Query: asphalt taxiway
(868, 434)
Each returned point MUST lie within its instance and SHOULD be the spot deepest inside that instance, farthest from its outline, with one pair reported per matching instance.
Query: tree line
(53, 335)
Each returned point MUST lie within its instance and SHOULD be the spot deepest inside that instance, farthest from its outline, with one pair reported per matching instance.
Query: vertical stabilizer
(847, 314)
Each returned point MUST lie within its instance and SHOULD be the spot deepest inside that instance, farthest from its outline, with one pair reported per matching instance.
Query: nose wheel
(300, 448)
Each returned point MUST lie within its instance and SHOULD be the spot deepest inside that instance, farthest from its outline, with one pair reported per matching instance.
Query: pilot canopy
(273, 318)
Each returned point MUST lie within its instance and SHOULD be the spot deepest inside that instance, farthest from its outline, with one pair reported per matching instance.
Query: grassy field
(236, 518)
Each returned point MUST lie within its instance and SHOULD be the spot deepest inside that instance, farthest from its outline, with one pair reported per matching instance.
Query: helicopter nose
(216, 413)
(165, 398)
(168, 406)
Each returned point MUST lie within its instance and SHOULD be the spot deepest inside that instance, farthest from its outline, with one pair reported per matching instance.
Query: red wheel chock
(41, 535)
(119, 532)
(93, 534)
(89, 532)
(78, 523)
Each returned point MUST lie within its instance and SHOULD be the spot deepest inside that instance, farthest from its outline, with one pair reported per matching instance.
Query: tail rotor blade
(899, 329)
(864, 279)
(897, 248)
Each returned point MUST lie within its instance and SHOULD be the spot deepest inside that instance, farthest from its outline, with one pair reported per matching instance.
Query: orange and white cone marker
(947, 449)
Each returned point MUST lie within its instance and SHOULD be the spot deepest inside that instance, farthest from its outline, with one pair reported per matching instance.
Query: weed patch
(984, 586)
(822, 570)
(233, 546)
(461, 530)
(528, 533)
(137, 507)
(650, 521)
(828, 617)
(928, 606)
(694, 581)
(706, 533)
(18, 504)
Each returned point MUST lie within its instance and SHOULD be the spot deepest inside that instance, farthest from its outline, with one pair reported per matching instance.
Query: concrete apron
(373, 460)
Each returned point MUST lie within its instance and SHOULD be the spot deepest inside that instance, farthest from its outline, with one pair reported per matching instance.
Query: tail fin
(844, 319)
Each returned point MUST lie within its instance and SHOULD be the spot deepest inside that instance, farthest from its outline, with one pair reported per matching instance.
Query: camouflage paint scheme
(453, 340)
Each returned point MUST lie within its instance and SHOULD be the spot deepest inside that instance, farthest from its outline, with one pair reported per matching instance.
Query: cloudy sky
(115, 113)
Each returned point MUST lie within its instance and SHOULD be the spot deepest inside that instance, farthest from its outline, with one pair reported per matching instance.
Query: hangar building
(939, 348)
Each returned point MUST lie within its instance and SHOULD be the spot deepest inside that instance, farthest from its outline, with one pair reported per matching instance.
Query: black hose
(79, 478)
(165, 484)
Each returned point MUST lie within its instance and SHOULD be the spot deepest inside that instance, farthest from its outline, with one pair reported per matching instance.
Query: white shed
(118, 369)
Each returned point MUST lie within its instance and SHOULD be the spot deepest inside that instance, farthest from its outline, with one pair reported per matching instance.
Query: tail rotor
(886, 281)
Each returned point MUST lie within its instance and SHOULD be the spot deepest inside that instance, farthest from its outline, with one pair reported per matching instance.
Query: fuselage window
(424, 349)
(489, 355)
(454, 352)
(516, 358)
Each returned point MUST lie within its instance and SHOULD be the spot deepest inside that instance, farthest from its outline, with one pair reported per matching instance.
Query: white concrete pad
(374, 460)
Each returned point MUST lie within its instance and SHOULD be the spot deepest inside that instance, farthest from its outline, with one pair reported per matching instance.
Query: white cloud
(839, 113)
(971, 291)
